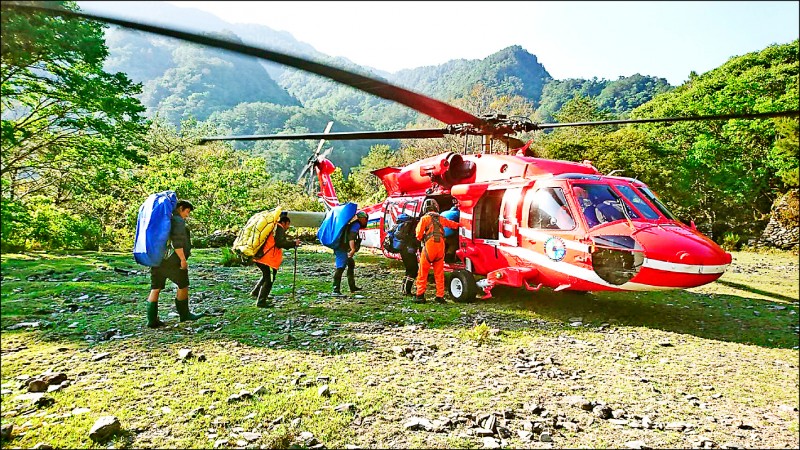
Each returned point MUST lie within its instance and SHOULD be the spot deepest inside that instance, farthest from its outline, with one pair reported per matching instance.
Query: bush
(730, 241)
(230, 258)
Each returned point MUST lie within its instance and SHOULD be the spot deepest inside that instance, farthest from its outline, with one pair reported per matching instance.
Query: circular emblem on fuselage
(555, 248)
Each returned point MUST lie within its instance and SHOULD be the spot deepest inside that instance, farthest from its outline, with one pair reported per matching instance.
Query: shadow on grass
(314, 322)
(753, 290)
(726, 318)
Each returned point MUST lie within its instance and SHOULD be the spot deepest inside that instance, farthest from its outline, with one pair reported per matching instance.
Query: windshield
(654, 200)
(600, 204)
(637, 201)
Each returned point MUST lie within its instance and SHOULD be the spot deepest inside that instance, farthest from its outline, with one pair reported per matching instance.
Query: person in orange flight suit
(430, 233)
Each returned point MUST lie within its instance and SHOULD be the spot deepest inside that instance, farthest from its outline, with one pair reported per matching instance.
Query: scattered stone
(602, 412)
(44, 402)
(296, 422)
(324, 391)
(201, 357)
(675, 426)
(37, 385)
(184, 354)
(480, 431)
(490, 442)
(6, 430)
(545, 437)
(43, 446)
(345, 407)
(260, 390)
(250, 436)
(524, 435)
(104, 428)
(100, 356)
(636, 445)
(418, 423)
(663, 343)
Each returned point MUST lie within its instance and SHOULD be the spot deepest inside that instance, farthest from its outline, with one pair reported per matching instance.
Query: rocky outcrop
(783, 229)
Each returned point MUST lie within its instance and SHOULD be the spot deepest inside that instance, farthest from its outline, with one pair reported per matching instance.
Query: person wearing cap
(270, 259)
(430, 233)
(175, 268)
(346, 252)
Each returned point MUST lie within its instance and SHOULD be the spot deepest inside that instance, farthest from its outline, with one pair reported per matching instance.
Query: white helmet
(430, 205)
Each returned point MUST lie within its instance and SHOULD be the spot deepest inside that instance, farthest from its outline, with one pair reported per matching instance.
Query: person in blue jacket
(451, 235)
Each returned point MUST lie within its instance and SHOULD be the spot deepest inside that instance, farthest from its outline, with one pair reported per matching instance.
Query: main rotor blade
(434, 108)
(303, 172)
(322, 141)
(344, 136)
(671, 119)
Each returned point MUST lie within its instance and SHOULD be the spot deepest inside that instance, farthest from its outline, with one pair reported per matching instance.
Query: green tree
(63, 117)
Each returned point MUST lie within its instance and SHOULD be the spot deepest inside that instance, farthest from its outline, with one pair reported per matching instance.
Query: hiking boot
(419, 299)
(264, 304)
(355, 289)
(183, 311)
(152, 316)
(439, 300)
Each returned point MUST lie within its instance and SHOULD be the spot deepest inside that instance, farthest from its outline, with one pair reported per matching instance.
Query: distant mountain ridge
(512, 71)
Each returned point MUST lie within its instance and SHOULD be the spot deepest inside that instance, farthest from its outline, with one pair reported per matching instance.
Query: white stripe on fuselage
(683, 268)
(575, 271)
(590, 275)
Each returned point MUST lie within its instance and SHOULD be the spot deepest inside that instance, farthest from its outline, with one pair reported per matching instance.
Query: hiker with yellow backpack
(262, 240)
(270, 259)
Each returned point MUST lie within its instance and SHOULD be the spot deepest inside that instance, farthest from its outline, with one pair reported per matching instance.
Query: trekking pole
(294, 276)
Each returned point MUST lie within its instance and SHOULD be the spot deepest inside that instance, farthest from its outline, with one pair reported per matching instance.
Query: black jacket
(180, 235)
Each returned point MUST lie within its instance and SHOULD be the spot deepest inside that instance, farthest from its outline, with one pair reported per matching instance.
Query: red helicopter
(526, 222)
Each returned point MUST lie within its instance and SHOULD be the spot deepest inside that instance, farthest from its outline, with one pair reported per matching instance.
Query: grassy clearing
(706, 357)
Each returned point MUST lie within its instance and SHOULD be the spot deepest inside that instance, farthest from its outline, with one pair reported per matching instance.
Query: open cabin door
(510, 217)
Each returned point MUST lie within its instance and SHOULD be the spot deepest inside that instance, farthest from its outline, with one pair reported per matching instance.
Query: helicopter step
(509, 276)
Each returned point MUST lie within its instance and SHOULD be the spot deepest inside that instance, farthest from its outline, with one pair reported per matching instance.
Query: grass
(738, 335)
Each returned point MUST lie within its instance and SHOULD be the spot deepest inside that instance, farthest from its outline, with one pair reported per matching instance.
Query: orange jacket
(425, 225)
(273, 253)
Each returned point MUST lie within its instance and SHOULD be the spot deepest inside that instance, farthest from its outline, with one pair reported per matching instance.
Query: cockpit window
(637, 201)
(600, 204)
(654, 200)
(549, 210)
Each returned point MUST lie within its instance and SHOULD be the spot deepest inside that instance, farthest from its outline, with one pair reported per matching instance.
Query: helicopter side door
(509, 217)
(548, 231)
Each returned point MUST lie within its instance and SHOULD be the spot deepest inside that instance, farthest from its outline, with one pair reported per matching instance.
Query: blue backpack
(152, 228)
(332, 228)
(399, 235)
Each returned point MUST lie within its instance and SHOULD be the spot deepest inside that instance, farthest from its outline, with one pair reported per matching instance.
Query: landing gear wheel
(462, 286)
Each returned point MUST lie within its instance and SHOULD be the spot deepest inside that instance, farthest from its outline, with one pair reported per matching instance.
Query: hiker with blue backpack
(175, 267)
(345, 253)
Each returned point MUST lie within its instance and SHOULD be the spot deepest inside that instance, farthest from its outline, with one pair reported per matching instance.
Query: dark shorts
(170, 268)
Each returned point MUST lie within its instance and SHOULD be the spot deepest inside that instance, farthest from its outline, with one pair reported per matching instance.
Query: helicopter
(525, 222)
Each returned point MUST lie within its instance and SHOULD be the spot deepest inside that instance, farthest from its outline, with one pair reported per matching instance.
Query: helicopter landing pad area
(713, 366)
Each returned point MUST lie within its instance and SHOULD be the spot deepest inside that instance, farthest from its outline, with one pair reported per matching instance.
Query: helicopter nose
(679, 257)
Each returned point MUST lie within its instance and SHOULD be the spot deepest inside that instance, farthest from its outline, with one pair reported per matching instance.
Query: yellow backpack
(255, 232)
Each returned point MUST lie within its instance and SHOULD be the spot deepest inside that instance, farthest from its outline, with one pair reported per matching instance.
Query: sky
(571, 39)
